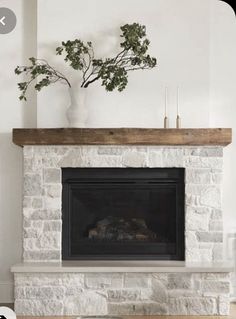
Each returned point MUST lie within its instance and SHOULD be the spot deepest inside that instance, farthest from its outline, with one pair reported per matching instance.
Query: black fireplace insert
(123, 213)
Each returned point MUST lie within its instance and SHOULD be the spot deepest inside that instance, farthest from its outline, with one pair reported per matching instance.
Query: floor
(232, 316)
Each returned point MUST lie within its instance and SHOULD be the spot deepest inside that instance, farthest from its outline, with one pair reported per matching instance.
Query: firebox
(123, 213)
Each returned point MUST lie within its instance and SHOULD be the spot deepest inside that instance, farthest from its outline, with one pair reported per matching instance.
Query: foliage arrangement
(113, 72)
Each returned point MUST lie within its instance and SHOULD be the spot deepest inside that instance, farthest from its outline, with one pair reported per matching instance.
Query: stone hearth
(200, 292)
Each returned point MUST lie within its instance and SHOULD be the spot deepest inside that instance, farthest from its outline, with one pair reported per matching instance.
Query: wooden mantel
(122, 136)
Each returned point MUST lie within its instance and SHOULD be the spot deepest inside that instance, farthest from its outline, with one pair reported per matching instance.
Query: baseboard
(6, 292)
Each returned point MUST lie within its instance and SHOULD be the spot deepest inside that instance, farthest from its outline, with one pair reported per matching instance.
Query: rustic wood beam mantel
(122, 136)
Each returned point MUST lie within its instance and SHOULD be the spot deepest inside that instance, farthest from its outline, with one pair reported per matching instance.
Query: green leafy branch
(112, 71)
(43, 72)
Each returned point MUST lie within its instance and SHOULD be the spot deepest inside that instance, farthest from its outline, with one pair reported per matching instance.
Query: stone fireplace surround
(45, 286)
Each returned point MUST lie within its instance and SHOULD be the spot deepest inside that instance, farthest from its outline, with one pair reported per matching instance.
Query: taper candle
(166, 120)
(178, 119)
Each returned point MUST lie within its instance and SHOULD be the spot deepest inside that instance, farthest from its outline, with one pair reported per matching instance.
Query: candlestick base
(178, 122)
(166, 122)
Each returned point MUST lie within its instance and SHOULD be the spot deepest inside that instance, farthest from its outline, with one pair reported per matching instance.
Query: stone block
(193, 306)
(46, 255)
(52, 203)
(45, 214)
(123, 295)
(49, 241)
(37, 307)
(37, 202)
(135, 308)
(198, 176)
(207, 152)
(216, 225)
(213, 237)
(196, 222)
(211, 197)
(50, 293)
(155, 159)
(53, 191)
(183, 281)
(211, 287)
(132, 281)
(224, 306)
(217, 252)
(87, 303)
(108, 150)
(159, 290)
(173, 157)
(32, 185)
(134, 159)
(52, 225)
(216, 213)
(103, 280)
(52, 175)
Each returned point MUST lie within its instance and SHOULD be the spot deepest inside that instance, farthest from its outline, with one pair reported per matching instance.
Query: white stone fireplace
(44, 285)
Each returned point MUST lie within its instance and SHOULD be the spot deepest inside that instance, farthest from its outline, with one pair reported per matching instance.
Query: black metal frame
(86, 177)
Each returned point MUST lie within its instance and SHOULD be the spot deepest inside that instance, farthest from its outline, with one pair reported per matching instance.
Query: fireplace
(116, 213)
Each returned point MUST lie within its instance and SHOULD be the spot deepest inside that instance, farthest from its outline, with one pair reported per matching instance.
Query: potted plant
(112, 72)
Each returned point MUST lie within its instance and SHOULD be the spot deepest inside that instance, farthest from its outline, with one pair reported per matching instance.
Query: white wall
(194, 42)
(179, 34)
(13, 47)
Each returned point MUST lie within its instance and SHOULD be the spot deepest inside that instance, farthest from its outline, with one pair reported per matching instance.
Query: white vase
(77, 112)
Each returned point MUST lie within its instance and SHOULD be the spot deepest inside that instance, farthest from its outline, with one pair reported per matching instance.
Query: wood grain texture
(122, 136)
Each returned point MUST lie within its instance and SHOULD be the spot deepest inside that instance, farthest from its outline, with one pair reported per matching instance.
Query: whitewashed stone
(55, 292)
(86, 303)
(144, 308)
(155, 159)
(198, 176)
(52, 225)
(197, 222)
(130, 281)
(175, 281)
(191, 239)
(52, 203)
(207, 152)
(216, 213)
(134, 159)
(224, 306)
(48, 240)
(101, 281)
(52, 175)
(210, 236)
(216, 225)
(105, 161)
(217, 252)
(193, 306)
(53, 190)
(32, 185)
(173, 157)
(27, 202)
(211, 197)
(37, 202)
(123, 295)
(47, 255)
(73, 279)
(215, 287)
(108, 150)
(37, 307)
(198, 254)
(45, 214)
(159, 291)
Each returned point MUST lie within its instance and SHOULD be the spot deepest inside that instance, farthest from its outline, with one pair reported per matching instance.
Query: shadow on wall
(10, 212)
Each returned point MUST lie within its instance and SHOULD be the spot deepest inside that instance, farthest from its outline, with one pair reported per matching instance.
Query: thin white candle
(166, 100)
(177, 100)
